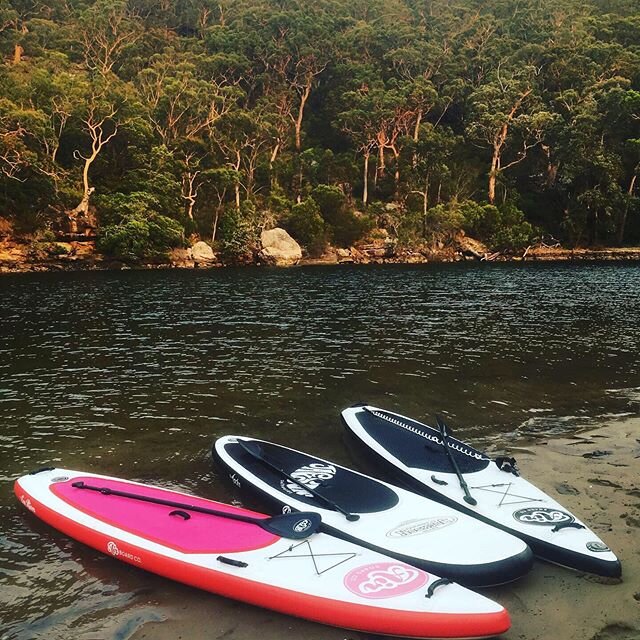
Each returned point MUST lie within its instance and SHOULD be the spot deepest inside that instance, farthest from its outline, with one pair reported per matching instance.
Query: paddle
(295, 526)
(255, 450)
(468, 498)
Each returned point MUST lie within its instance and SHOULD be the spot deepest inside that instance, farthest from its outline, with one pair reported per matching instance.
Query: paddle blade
(251, 447)
(442, 426)
(295, 526)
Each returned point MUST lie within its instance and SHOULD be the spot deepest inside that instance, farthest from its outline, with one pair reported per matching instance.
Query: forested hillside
(156, 120)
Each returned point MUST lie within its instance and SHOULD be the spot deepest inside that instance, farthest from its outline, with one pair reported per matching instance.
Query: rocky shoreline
(19, 256)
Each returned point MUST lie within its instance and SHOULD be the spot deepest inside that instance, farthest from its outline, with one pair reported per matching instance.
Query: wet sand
(594, 473)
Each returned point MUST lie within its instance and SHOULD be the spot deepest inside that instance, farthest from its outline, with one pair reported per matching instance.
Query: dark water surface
(135, 373)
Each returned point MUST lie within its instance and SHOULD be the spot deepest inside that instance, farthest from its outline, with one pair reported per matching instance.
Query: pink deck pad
(202, 533)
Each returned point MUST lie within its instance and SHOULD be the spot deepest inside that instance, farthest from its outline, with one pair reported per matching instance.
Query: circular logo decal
(384, 580)
(286, 509)
(117, 552)
(311, 475)
(418, 527)
(597, 546)
(302, 525)
(542, 516)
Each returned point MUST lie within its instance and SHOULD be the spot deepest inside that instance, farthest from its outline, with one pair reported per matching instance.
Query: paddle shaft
(468, 498)
(178, 505)
(352, 517)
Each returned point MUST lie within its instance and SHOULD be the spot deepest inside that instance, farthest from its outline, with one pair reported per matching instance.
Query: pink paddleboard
(319, 577)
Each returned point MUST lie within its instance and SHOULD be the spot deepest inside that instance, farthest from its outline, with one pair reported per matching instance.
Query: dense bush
(140, 236)
(502, 228)
(238, 236)
(306, 225)
(443, 221)
(134, 230)
(344, 226)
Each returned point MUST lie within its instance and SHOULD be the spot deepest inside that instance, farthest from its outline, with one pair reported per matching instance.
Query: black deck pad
(351, 491)
(418, 445)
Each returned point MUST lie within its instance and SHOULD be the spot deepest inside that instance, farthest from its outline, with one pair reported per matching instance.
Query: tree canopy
(509, 118)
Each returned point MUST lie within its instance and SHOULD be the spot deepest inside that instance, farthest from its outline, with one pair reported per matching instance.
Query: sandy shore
(550, 603)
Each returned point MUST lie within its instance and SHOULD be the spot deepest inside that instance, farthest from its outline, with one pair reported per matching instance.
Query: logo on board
(302, 525)
(420, 526)
(236, 481)
(542, 516)
(311, 475)
(116, 552)
(27, 503)
(384, 580)
(597, 546)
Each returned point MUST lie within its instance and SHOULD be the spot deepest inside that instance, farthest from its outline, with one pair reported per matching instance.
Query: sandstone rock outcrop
(279, 248)
(202, 254)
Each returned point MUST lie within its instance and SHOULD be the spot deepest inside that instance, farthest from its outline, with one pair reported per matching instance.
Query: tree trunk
(623, 216)
(274, 155)
(396, 175)
(303, 101)
(83, 206)
(416, 129)
(493, 174)
(365, 190)
(552, 169)
(192, 201)
(425, 206)
(18, 51)
(219, 208)
(237, 184)
(416, 134)
(382, 142)
(214, 228)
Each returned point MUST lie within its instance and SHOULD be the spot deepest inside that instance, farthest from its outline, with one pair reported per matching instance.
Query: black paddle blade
(252, 447)
(442, 426)
(295, 526)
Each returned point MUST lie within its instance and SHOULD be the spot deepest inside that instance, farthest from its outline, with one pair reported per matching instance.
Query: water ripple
(136, 373)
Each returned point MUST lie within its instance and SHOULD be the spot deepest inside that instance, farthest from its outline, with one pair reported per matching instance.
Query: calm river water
(136, 373)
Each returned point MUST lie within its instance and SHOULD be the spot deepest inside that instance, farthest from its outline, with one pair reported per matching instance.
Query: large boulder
(202, 254)
(279, 248)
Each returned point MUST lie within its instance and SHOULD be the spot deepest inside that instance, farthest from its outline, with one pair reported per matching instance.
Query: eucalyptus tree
(184, 99)
(107, 30)
(508, 118)
(101, 113)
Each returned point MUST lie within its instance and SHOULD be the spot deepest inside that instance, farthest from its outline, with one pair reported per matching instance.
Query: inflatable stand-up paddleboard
(374, 514)
(432, 463)
(244, 555)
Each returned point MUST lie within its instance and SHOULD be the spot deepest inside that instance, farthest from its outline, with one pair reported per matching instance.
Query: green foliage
(502, 228)
(443, 221)
(344, 226)
(238, 235)
(214, 113)
(134, 230)
(305, 224)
